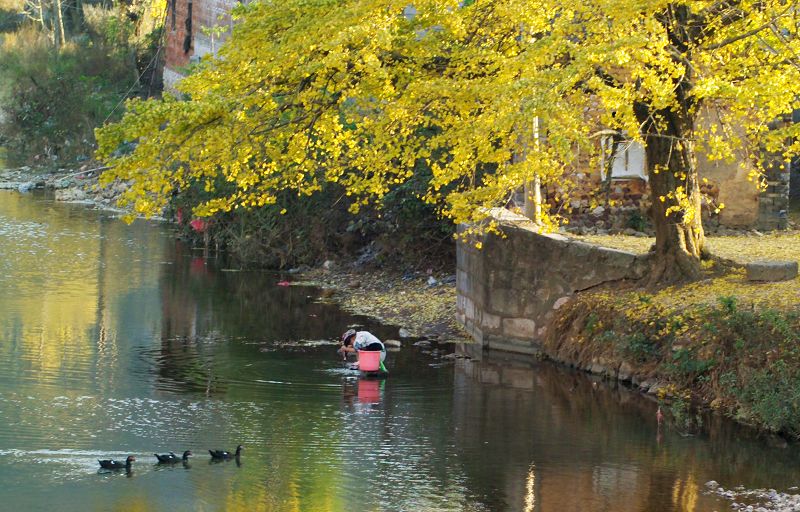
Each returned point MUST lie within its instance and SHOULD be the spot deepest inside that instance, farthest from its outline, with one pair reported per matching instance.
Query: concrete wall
(745, 205)
(212, 14)
(509, 289)
(739, 195)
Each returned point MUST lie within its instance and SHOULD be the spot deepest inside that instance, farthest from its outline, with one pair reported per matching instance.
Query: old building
(613, 194)
(194, 28)
(625, 193)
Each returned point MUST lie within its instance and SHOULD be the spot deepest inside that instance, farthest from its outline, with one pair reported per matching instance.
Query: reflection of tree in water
(185, 363)
(592, 442)
(213, 319)
(349, 393)
(244, 304)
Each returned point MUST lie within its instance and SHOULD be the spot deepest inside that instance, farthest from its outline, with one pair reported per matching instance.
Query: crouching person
(353, 341)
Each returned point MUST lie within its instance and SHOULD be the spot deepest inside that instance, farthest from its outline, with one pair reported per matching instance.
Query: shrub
(771, 396)
(310, 229)
(683, 415)
(637, 221)
(686, 368)
(52, 100)
(637, 347)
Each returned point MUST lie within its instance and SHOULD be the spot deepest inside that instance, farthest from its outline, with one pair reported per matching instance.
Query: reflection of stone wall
(559, 443)
(509, 289)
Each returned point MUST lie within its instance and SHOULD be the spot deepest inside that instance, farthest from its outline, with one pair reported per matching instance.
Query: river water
(116, 340)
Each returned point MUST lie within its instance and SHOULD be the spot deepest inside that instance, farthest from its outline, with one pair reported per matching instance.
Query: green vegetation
(287, 152)
(56, 88)
(636, 347)
(741, 359)
(10, 17)
(300, 230)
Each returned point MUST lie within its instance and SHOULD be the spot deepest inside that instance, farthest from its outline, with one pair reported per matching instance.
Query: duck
(222, 454)
(115, 464)
(171, 458)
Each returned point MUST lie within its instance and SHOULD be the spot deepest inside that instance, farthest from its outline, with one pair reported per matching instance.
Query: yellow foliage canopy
(368, 92)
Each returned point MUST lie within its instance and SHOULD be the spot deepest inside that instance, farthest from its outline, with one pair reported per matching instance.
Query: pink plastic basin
(369, 361)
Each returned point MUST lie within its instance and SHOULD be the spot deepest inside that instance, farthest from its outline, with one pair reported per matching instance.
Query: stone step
(771, 270)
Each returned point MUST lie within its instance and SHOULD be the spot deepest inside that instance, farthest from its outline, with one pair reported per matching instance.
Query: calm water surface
(116, 340)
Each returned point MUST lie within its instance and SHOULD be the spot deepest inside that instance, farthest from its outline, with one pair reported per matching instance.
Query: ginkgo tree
(363, 92)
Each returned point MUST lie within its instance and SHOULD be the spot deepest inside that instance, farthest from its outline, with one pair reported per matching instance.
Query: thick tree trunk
(676, 205)
(672, 164)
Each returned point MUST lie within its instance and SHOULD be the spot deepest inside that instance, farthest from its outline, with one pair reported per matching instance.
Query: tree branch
(744, 35)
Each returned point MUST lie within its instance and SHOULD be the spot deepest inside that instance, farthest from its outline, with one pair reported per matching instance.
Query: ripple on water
(302, 343)
(62, 465)
(17, 229)
(345, 372)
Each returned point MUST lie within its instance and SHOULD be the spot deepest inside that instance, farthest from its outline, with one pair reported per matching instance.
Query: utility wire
(161, 44)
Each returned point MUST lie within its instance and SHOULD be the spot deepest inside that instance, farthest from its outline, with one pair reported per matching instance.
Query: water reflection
(593, 445)
(118, 341)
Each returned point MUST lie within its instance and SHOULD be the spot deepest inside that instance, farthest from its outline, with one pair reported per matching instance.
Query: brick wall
(177, 15)
(193, 18)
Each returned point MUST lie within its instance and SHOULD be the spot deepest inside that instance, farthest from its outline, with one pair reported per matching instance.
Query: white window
(629, 159)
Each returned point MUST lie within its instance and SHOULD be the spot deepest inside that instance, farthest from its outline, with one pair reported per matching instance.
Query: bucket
(369, 360)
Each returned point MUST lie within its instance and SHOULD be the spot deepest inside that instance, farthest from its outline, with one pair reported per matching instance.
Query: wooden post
(533, 189)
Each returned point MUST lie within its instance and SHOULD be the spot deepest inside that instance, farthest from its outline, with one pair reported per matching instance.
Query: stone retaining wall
(509, 289)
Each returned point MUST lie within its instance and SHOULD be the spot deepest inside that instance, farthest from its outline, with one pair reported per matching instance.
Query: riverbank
(210, 352)
(423, 305)
(69, 185)
(714, 344)
(724, 342)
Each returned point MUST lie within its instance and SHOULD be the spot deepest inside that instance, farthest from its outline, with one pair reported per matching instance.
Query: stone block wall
(509, 289)
(773, 203)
